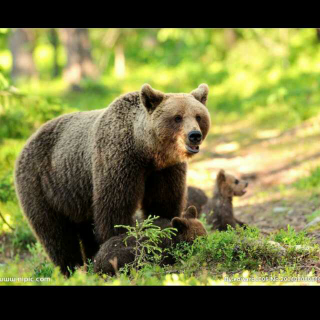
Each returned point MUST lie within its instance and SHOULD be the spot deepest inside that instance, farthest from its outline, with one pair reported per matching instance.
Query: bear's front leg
(165, 192)
(117, 192)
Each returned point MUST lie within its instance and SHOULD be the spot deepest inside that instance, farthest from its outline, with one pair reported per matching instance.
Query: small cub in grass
(219, 209)
(114, 254)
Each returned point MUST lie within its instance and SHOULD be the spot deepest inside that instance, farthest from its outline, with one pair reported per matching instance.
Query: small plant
(147, 239)
(44, 270)
(291, 237)
(22, 237)
(90, 267)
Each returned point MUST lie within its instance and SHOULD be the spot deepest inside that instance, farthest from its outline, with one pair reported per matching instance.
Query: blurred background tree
(79, 61)
(22, 43)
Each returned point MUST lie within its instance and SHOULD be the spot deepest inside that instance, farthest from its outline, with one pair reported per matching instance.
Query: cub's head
(188, 226)
(228, 185)
(180, 122)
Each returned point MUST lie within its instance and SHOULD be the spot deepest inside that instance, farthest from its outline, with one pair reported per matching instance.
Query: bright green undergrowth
(310, 182)
(210, 260)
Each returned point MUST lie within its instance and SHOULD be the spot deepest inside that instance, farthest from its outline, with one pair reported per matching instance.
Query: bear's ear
(201, 93)
(150, 98)
(221, 177)
(191, 213)
(180, 224)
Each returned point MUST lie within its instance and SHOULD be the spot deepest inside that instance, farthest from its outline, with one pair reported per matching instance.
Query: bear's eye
(178, 119)
(236, 181)
(198, 118)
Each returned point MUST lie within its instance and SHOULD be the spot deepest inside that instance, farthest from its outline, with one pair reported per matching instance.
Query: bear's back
(60, 153)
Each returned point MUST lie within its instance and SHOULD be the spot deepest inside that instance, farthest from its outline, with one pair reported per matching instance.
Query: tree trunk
(230, 37)
(79, 60)
(21, 44)
(318, 33)
(54, 39)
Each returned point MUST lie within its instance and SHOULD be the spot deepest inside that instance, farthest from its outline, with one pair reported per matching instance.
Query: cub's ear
(201, 93)
(191, 213)
(150, 98)
(180, 224)
(221, 177)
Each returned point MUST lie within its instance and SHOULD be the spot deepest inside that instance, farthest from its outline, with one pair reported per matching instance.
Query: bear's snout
(195, 136)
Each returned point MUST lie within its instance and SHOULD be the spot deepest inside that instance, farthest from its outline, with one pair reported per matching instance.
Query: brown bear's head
(228, 186)
(180, 122)
(188, 226)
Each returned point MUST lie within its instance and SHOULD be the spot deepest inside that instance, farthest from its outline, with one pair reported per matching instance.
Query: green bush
(240, 249)
(291, 237)
(147, 239)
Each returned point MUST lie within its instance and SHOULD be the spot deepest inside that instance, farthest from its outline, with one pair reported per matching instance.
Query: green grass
(310, 182)
(291, 238)
(208, 261)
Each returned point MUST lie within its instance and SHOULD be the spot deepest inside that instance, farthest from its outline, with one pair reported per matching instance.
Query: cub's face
(229, 185)
(180, 122)
(188, 225)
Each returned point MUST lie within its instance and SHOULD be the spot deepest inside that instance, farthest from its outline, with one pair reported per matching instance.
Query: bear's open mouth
(242, 192)
(192, 149)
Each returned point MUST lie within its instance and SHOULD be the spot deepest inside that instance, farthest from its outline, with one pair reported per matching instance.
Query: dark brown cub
(114, 253)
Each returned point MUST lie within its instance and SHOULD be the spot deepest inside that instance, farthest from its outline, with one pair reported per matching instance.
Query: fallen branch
(4, 220)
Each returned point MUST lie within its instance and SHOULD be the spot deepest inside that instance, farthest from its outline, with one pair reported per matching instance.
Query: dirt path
(271, 161)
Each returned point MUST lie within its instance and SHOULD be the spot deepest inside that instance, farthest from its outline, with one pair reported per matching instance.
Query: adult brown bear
(83, 173)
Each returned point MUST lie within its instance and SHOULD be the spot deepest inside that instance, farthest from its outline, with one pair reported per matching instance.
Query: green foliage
(291, 237)
(90, 267)
(310, 182)
(22, 237)
(147, 239)
(240, 249)
(4, 83)
(7, 192)
(233, 253)
(38, 261)
(44, 270)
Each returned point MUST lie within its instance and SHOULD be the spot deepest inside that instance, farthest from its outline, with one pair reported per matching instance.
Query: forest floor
(271, 161)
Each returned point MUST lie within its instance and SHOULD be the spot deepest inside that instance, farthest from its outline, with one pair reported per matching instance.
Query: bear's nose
(195, 136)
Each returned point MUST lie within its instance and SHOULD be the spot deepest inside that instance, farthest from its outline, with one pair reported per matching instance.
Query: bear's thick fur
(114, 253)
(196, 197)
(82, 173)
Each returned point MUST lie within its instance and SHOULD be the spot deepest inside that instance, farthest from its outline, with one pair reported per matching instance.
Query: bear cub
(196, 197)
(114, 253)
(219, 209)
